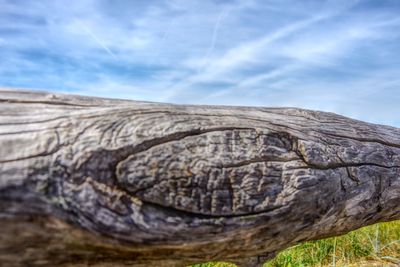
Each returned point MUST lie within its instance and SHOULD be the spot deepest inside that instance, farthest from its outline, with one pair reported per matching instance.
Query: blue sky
(340, 56)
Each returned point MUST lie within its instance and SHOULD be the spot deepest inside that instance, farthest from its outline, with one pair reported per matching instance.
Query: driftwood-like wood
(99, 182)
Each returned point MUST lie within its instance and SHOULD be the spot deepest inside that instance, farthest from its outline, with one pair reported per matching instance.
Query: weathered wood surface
(89, 181)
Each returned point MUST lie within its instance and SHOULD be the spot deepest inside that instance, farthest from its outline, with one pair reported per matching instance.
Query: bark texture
(89, 181)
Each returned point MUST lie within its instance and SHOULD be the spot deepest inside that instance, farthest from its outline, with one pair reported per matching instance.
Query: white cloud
(277, 52)
(96, 39)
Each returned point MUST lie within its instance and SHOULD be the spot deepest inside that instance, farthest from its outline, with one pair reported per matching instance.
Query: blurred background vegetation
(375, 245)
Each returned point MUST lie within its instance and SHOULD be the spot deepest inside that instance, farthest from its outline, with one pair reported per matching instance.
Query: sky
(341, 56)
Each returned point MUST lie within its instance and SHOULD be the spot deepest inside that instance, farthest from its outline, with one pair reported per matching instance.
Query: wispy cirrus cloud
(338, 56)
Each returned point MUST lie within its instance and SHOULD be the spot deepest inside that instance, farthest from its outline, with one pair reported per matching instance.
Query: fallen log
(101, 182)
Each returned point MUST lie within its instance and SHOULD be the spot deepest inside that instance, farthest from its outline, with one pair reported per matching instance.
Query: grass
(376, 245)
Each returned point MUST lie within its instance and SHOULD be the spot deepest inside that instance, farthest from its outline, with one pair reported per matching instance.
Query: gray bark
(100, 182)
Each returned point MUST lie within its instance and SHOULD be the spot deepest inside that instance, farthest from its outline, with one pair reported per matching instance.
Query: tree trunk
(101, 182)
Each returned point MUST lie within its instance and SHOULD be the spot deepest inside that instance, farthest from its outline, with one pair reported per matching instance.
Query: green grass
(379, 244)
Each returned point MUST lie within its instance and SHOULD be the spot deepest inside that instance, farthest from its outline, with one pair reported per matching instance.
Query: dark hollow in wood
(101, 182)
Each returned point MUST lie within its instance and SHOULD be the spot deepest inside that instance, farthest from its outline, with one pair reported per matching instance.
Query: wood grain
(101, 182)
